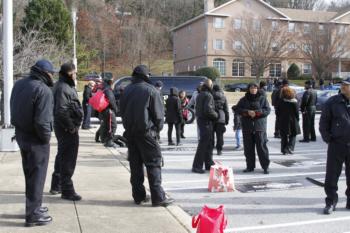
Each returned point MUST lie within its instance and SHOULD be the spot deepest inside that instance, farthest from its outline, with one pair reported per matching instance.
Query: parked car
(186, 83)
(333, 87)
(93, 77)
(322, 97)
(296, 87)
(236, 87)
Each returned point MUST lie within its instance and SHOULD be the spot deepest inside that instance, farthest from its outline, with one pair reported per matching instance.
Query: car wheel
(190, 116)
(237, 89)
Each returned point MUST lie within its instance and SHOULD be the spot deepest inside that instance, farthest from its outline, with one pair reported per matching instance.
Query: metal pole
(74, 19)
(7, 58)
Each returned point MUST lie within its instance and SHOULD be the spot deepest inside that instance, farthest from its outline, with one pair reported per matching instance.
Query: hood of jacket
(68, 80)
(38, 74)
(174, 91)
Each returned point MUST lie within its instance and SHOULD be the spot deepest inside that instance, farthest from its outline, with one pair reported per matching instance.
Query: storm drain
(265, 186)
(301, 163)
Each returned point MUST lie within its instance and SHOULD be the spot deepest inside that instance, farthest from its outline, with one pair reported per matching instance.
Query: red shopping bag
(99, 102)
(221, 179)
(210, 220)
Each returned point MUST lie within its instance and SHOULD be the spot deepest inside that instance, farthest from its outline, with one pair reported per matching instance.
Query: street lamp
(74, 19)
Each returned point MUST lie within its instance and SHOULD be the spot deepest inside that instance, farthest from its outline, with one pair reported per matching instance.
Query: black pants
(256, 139)
(182, 129)
(170, 131)
(277, 124)
(108, 125)
(309, 125)
(287, 142)
(219, 130)
(204, 153)
(66, 160)
(337, 155)
(35, 158)
(87, 115)
(144, 150)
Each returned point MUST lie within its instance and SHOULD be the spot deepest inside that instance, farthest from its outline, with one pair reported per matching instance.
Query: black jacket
(68, 113)
(87, 94)
(107, 90)
(289, 117)
(276, 97)
(32, 107)
(205, 106)
(141, 108)
(173, 107)
(335, 120)
(309, 100)
(221, 107)
(260, 105)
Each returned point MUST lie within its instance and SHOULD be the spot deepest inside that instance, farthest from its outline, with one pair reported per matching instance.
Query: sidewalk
(102, 178)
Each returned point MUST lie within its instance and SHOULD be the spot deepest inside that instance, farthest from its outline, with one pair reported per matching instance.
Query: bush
(337, 79)
(209, 72)
(293, 71)
(305, 77)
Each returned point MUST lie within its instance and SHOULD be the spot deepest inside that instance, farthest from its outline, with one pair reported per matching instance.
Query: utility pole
(7, 131)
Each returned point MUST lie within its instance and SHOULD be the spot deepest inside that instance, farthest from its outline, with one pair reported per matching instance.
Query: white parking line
(291, 224)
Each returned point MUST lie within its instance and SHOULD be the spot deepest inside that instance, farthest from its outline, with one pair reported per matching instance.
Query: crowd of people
(48, 106)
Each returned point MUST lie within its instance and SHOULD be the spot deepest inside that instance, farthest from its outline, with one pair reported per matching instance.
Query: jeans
(238, 137)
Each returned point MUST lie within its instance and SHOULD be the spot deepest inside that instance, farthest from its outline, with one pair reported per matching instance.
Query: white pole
(339, 68)
(7, 58)
(74, 18)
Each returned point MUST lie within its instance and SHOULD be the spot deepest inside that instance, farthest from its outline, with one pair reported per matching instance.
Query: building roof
(309, 15)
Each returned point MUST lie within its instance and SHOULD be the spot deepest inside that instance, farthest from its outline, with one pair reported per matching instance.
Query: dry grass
(234, 97)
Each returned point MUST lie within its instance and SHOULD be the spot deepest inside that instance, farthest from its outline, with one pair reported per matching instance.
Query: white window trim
(234, 24)
(223, 22)
(291, 23)
(223, 44)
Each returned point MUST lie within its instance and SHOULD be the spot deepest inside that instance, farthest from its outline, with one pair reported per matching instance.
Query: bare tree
(294, 4)
(324, 45)
(339, 5)
(261, 43)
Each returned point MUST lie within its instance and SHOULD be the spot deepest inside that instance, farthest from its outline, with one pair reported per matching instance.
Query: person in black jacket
(173, 115)
(68, 115)
(254, 109)
(275, 97)
(108, 116)
(289, 120)
(221, 107)
(31, 114)
(142, 113)
(87, 94)
(335, 131)
(206, 116)
(308, 109)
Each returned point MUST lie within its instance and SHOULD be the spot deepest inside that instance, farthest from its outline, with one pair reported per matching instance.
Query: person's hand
(251, 113)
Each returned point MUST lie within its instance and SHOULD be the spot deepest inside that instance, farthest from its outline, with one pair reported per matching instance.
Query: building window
(218, 22)
(274, 46)
(292, 46)
(306, 28)
(253, 70)
(275, 70)
(307, 69)
(220, 64)
(238, 68)
(237, 24)
(237, 45)
(256, 24)
(291, 27)
(219, 44)
(307, 48)
(321, 28)
(274, 25)
(342, 30)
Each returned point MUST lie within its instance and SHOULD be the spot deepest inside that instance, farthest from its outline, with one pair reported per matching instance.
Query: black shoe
(171, 144)
(71, 196)
(266, 171)
(248, 170)
(313, 140)
(219, 152)
(145, 200)
(289, 151)
(284, 152)
(43, 209)
(182, 136)
(38, 220)
(198, 170)
(304, 141)
(85, 127)
(164, 203)
(329, 209)
(348, 205)
(179, 144)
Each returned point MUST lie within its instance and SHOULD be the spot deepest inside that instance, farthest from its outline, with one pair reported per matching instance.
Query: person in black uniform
(142, 113)
(221, 107)
(206, 116)
(308, 109)
(68, 115)
(31, 114)
(108, 116)
(87, 94)
(275, 97)
(254, 109)
(335, 131)
(173, 116)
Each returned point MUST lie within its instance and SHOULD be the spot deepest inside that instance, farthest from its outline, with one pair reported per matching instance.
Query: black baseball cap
(46, 66)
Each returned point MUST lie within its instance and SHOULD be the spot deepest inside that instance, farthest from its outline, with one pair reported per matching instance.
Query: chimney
(208, 5)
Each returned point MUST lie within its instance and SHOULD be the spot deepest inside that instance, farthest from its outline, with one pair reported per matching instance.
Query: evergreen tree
(51, 17)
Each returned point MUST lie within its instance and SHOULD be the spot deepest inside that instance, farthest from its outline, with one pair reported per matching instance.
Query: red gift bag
(210, 220)
(99, 102)
(221, 179)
